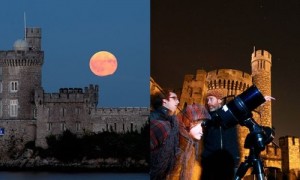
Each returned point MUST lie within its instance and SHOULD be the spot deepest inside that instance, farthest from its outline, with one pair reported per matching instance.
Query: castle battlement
(290, 147)
(91, 89)
(289, 141)
(70, 91)
(33, 32)
(261, 54)
(21, 58)
(229, 72)
(188, 77)
(62, 97)
(124, 111)
(73, 95)
(12, 54)
(230, 79)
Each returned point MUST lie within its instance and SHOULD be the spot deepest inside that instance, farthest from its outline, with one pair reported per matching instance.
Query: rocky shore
(29, 162)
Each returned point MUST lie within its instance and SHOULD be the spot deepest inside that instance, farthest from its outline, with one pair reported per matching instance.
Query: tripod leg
(258, 169)
(240, 173)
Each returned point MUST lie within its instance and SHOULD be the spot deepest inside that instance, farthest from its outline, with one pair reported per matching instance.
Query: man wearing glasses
(164, 134)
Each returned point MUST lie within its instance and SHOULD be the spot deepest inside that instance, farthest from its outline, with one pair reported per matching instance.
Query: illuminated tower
(290, 148)
(193, 89)
(20, 75)
(261, 75)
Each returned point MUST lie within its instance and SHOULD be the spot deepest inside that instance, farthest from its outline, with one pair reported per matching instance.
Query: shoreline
(73, 167)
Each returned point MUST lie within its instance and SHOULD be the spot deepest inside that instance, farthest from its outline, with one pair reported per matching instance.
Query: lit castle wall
(27, 113)
(233, 82)
(290, 155)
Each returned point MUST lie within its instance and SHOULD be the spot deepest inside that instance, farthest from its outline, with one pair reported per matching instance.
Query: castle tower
(20, 74)
(261, 75)
(193, 89)
(290, 149)
(33, 38)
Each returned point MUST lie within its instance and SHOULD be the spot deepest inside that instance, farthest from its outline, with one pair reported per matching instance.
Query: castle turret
(33, 38)
(20, 76)
(194, 88)
(290, 149)
(261, 75)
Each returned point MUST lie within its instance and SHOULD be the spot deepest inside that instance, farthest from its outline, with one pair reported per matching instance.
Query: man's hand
(269, 98)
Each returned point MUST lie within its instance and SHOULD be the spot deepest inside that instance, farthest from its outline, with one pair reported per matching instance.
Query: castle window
(63, 112)
(13, 108)
(131, 127)
(241, 85)
(1, 87)
(48, 109)
(13, 86)
(63, 126)
(77, 111)
(35, 113)
(260, 64)
(293, 139)
(1, 108)
(77, 126)
(115, 125)
(49, 126)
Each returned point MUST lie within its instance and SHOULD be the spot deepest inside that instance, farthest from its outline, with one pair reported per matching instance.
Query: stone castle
(27, 113)
(286, 157)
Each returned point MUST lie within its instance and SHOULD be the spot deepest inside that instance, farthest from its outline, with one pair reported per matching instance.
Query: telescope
(240, 108)
(239, 111)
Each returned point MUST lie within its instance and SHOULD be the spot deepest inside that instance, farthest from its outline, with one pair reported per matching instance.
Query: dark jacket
(220, 150)
(164, 143)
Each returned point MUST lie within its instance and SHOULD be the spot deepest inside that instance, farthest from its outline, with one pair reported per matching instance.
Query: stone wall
(290, 154)
(119, 120)
(16, 134)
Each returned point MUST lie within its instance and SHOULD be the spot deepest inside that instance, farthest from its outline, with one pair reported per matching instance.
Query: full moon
(103, 63)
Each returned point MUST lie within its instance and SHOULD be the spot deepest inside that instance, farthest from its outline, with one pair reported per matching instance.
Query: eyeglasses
(175, 98)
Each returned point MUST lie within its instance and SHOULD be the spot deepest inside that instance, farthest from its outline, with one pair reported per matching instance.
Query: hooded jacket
(164, 143)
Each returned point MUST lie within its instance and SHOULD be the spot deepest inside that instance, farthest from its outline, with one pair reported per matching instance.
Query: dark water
(72, 176)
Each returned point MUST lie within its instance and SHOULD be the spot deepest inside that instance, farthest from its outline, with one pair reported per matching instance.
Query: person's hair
(157, 98)
(192, 115)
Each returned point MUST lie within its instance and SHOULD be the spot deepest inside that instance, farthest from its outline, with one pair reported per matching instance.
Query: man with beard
(220, 156)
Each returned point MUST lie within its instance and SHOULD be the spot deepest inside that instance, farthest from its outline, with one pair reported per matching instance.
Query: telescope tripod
(254, 161)
(256, 141)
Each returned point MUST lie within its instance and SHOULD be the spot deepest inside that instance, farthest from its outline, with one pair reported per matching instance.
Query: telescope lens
(252, 98)
(239, 109)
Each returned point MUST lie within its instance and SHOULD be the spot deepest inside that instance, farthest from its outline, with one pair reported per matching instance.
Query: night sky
(191, 35)
(72, 31)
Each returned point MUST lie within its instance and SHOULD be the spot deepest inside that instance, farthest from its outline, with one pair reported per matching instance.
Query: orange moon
(103, 63)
